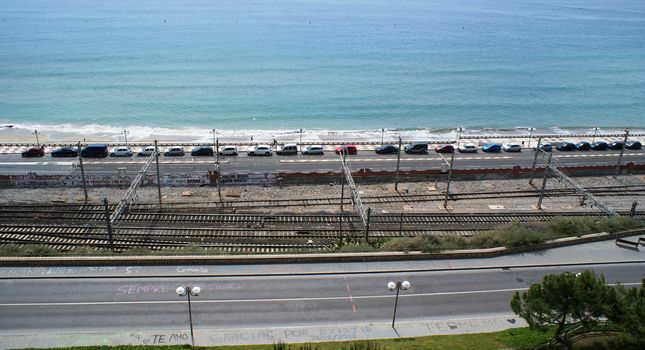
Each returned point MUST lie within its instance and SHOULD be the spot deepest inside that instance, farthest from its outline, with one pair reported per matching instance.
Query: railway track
(627, 190)
(284, 237)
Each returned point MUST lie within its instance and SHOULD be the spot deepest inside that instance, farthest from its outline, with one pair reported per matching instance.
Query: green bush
(423, 243)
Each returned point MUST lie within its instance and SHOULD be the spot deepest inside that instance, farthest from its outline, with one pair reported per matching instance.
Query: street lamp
(459, 136)
(595, 131)
(300, 139)
(125, 136)
(382, 133)
(37, 142)
(530, 136)
(188, 291)
(398, 285)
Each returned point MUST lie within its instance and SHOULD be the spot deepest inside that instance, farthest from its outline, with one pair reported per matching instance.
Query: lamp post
(187, 291)
(459, 136)
(125, 136)
(398, 285)
(530, 136)
(300, 139)
(595, 131)
(382, 135)
(37, 142)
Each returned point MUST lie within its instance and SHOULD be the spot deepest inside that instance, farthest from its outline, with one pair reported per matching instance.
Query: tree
(626, 308)
(563, 300)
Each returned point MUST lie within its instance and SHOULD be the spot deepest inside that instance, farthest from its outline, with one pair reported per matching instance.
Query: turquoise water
(336, 64)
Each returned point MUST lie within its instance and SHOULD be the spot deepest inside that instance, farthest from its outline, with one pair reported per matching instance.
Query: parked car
(491, 148)
(633, 144)
(566, 146)
(202, 151)
(467, 148)
(386, 149)
(445, 149)
(599, 146)
(146, 151)
(34, 152)
(313, 149)
(289, 149)
(228, 151)
(174, 151)
(121, 152)
(616, 145)
(583, 146)
(346, 149)
(545, 146)
(416, 147)
(66, 151)
(95, 150)
(512, 147)
(260, 150)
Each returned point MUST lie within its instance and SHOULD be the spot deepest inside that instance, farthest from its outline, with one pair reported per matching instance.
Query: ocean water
(323, 65)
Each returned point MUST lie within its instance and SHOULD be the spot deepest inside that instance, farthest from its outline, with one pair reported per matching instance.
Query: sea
(249, 67)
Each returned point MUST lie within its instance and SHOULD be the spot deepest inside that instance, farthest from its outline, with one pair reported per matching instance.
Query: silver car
(313, 149)
(174, 151)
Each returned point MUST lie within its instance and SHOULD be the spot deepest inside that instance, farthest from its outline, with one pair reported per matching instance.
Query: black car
(387, 149)
(599, 146)
(583, 146)
(616, 145)
(202, 151)
(632, 144)
(566, 146)
(67, 151)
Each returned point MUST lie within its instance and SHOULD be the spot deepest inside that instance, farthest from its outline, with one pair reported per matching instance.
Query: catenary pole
(80, 162)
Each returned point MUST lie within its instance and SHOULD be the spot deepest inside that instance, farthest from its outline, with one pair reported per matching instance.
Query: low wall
(35, 180)
(285, 179)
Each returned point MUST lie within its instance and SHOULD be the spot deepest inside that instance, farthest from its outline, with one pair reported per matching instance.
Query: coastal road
(13, 164)
(149, 303)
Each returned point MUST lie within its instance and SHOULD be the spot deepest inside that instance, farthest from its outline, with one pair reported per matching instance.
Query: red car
(34, 152)
(445, 149)
(347, 149)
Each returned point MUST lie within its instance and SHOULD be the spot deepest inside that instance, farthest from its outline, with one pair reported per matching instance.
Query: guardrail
(623, 243)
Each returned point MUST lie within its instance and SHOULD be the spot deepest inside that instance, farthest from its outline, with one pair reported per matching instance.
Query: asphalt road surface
(12, 164)
(140, 303)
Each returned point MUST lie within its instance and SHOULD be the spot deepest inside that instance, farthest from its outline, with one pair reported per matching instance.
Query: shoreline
(22, 135)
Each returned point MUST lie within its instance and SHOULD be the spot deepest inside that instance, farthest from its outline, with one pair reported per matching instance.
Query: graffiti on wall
(35, 180)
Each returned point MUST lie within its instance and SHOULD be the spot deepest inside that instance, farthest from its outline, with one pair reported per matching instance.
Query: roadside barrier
(641, 241)
(623, 243)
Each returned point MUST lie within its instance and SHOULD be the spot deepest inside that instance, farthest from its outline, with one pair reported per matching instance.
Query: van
(288, 149)
(416, 147)
(95, 151)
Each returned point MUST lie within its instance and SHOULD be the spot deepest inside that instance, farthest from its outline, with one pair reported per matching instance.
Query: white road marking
(350, 160)
(221, 301)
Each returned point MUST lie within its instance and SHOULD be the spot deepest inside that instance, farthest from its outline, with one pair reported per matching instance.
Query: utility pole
(367, 226)
(342, 200)
(300, 139)
(158, 177)
(620, 158)
(535, 156)
(382, 135)
(546, 173)
(80, 161)
(398, 163)
(37, 141)
(125, 136)
(445, 198)
(108, 223)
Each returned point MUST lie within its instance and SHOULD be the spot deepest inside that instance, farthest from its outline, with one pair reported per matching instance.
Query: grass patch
(511, 338)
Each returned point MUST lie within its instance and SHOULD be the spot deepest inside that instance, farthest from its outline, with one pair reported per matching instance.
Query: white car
(227, 151)
(467, 148)
(146, 151)
(174, 151)
(313, 149)
(260, 150)
(121, 151)
(512, 147)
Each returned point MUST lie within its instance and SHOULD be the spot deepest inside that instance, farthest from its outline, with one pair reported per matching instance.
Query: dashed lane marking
(350, 160)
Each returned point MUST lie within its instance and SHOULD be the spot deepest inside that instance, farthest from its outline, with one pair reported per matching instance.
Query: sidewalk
(269, 335)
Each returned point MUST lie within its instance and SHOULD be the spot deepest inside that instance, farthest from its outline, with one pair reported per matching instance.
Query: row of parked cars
(101, 150)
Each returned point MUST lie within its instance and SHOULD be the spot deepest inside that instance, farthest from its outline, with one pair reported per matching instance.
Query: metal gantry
(129, 196)
(356, 198)
(552, 169)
